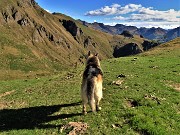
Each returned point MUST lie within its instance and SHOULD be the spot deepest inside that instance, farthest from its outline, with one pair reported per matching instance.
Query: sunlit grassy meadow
(140, 96)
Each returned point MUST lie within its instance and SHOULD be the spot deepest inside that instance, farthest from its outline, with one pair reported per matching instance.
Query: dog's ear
(89, 53)
(96, 54)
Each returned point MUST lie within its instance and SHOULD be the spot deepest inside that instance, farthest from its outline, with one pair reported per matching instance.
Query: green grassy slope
(146, 101)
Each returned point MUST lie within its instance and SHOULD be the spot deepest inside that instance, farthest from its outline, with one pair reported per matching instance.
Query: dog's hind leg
(84, 109)
(84, 103)
(98, 96)
(98, 108)
(92, 105)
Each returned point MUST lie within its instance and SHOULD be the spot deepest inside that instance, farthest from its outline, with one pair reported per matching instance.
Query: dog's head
(93, 59)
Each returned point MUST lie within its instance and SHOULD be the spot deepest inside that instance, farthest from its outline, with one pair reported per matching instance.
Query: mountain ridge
(160, 34)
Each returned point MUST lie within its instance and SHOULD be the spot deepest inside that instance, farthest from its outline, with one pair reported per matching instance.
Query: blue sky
(140, 13)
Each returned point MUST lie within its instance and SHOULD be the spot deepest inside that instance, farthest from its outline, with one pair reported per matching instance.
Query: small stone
(118, 82)
(121, 76)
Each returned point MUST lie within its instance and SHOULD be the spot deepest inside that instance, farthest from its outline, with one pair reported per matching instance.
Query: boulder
(126, 33)
(149, 44)
(128, 49)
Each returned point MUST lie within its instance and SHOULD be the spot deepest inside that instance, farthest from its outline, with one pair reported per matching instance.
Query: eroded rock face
(148, 45)
(24, 22)
(72, 27)
(6, 16)
(12, 15)
(128, 49)
(42, 33)
(89, 41)
(16, 15)
(126, 33)
(78, 34)
(26, 3)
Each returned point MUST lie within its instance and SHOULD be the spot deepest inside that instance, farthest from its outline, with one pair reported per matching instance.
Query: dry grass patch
(7, 93)
(9, 104)
(11, 50)
(175, 86)
(75, 127)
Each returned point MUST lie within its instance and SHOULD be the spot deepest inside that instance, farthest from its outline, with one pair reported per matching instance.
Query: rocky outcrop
(26, 3)
(42, 34)
(24, 22)
(149, 44)
(78, 34)
(89, 41)
(72, 28)
(128, 49)
(126, 33)
(16, 15)
(11, 15)
(141, 36)
(6, 16)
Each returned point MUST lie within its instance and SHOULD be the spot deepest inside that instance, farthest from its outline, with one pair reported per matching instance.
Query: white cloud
(138, 13)
(119, 18)
(147, 14)
(114, 9)
(129, 8)
(107, 10)
(116, 5)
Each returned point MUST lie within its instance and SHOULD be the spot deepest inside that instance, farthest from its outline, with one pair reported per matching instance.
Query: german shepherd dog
(91, 89)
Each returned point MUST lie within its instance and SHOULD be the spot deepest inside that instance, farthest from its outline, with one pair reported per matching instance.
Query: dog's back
(91, 90)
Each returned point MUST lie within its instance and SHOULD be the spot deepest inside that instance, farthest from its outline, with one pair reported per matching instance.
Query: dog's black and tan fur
(91, 89)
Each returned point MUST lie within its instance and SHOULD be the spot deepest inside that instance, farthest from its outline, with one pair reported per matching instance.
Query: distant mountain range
(153, 33)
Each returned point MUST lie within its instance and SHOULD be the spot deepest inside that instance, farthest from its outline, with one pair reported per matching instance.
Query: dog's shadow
(32, 117)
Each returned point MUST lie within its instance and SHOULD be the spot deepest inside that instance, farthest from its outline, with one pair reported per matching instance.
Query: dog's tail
(90, 93)
(91, 84)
